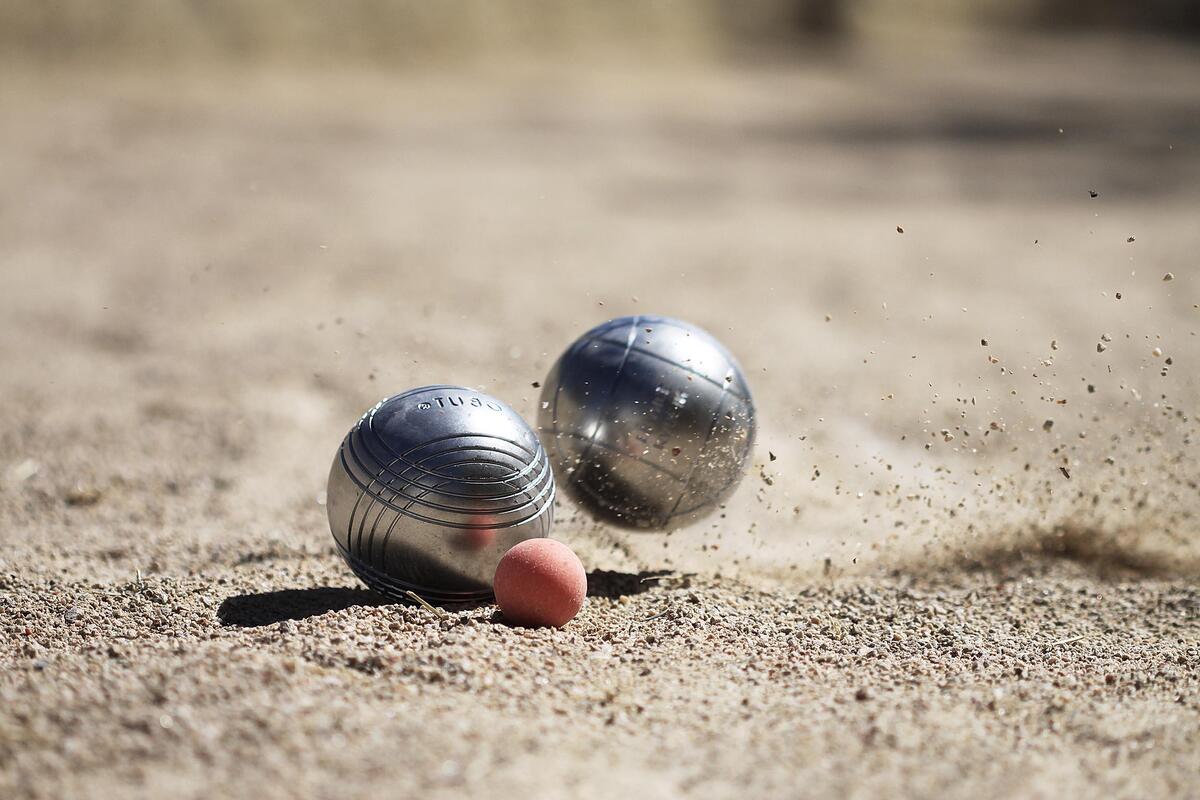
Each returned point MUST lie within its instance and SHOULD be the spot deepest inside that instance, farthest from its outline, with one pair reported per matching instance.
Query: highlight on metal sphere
(431, 487)
(648, 421)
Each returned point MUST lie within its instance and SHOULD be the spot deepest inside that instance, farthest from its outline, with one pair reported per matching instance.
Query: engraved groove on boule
(408, 464)
(366, 488)
(682, 367)
(402, 476)
(535, 456)
(386, 504)
(616, 380)
(416, 465)
(401, 481)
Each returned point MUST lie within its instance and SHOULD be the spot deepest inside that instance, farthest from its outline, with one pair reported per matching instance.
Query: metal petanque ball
(648, 421)
(431, 487)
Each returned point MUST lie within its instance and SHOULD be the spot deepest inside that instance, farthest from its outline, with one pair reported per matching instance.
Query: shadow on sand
(603, 583)
(266, 608)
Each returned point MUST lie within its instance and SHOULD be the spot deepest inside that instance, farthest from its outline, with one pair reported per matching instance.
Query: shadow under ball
(431, 487)
(648, 421)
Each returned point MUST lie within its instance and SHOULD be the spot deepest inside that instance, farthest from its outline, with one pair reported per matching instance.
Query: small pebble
(82, 496)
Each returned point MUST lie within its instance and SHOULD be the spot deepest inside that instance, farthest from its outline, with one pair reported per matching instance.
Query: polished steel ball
(431, 487)
(648, 421)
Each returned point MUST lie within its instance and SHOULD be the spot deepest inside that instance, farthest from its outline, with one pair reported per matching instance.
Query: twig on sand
(1067, 641)
(670, 576)
(430, 608)
(665, 609)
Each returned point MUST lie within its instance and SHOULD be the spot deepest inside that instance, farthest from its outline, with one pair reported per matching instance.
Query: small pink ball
(540, 582)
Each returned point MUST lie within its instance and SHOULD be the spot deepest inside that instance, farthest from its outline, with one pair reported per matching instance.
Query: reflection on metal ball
(648, 421)
(431, 487)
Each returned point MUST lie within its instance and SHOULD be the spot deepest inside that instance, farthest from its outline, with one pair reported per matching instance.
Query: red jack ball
(540, 582)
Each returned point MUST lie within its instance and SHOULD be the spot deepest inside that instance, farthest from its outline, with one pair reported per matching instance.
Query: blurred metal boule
(648, 421)
(431, 487)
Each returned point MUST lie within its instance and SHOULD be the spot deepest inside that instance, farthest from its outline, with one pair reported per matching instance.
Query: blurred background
(953, 244)
(411, 33)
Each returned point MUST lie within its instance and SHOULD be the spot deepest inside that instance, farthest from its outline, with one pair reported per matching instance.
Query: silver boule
(431, 487)
(648, 421)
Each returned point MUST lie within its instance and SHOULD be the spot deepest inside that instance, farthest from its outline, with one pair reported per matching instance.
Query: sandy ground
(969, 569)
